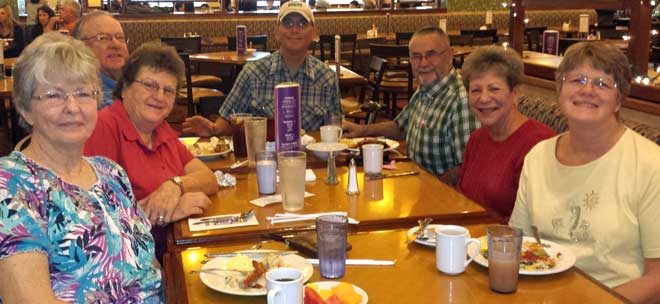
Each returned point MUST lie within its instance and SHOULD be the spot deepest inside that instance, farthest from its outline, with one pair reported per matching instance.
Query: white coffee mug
(285, 286)
(330, 133)
(372, 155)
(451, 249)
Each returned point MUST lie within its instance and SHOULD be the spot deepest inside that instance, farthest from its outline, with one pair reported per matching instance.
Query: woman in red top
(495, 152)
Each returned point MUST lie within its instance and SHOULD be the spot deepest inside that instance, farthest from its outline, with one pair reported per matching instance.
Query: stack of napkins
(294, 217)
(199, 224)
(271, 199)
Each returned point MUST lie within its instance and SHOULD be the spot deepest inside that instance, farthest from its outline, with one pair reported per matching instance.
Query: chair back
(564, 43)
(374, 78)
(327, 47)
(190, 45)
(461, 40)
(534, 35)
(482, 37)
(397, 71)
(259, 42)
(403, 37)
(185, 57)
(23, 143)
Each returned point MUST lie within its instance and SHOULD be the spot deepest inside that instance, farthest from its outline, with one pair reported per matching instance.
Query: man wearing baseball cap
(253, 91)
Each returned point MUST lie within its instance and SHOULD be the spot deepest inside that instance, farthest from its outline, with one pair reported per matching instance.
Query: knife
(226, 219)
(251, 253)
(386, 175)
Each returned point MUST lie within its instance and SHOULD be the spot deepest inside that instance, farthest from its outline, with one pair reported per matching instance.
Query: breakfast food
(342, 293)
(249, 273)
(356, 143)
(532, 257)
(214, 145)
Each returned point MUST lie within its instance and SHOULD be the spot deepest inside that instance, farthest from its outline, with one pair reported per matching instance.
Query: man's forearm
(388, 129)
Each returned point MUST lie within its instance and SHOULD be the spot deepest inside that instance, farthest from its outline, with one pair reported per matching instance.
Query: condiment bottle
(352, 188)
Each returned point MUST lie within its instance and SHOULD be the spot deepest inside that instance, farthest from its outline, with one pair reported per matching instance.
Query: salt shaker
(352, 188)
(331, 178)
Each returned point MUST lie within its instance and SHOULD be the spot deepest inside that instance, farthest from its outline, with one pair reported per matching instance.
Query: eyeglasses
(103, 37)
(59, 98)
(153, 87)
(581, 81)
(431, 55)
(301, 24)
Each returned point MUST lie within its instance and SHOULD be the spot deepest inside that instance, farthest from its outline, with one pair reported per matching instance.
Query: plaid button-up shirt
(437, 122)
(253, 91)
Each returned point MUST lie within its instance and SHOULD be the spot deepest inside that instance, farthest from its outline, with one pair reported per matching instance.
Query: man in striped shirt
(253, 91)
(437, 121)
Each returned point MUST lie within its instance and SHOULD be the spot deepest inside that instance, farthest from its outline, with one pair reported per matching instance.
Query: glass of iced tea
(238, 133)
(504, 246)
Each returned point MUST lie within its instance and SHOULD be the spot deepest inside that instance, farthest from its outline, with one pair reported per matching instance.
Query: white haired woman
(71, 230)
(596, 188)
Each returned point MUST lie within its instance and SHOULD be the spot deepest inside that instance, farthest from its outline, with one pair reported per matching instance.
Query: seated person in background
(10, 29)
(169, 183)
(104, 35)
(495, 152)
(596, 188)
(66, 21)
(247, 5)
(253, 91)
(369, 4)
(71, 230)
(178, 7)
(354, 4)
(322, 5)
(437, 121)
(43, 16)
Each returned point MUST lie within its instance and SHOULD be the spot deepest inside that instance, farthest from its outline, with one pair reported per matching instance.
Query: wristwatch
(177, 180)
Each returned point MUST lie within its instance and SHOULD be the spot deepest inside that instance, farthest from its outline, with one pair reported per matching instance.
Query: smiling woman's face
(147, 106)
(490, 98)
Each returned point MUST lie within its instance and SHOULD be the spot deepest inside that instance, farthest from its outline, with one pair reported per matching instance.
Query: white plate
(429, 233)
(329, 284)
(321, 149)
(216, 279)
(564, 262)
(187, 141)
(392, 144)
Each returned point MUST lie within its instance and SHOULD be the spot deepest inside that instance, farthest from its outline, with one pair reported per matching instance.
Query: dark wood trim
(574, 4)
(638, 46)
(516, 25)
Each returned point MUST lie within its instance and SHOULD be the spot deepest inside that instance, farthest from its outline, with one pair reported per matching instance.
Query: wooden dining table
(382, 203)
(228, 57)
(412, 279)
(348, 77)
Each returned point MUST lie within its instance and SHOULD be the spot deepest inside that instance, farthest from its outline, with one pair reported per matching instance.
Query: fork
(537, 236)
(228, 220)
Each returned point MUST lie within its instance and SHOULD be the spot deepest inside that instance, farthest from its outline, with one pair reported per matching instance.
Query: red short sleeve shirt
(115, 137)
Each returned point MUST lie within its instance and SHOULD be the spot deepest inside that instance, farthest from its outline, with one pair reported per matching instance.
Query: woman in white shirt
(596, 188)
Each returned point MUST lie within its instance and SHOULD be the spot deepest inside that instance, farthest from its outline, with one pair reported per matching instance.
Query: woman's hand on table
(198, 125)
(163, 201)
(191, 203)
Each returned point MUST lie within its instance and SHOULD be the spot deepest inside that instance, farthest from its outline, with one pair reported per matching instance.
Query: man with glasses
(437, 121)
(253, 91)
(105, 37)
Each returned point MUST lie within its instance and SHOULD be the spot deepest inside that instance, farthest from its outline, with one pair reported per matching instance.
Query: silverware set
(419, 233)
(227, 219)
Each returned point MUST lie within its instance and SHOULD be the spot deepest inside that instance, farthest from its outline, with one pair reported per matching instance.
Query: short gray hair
(52, 58)
(84, 20)
(504, 62)
(72, 4)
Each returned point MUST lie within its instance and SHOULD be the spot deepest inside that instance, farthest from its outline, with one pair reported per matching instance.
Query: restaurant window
(21, 8)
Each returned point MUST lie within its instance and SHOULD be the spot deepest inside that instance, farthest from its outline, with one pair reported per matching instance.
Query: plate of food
(354, 144)
(207, 150)
(535, 259)
(321, 149)
(342, 292)
(428, 237)
(243, 274)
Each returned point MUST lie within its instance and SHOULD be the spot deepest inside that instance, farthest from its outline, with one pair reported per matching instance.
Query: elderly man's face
(430, 57)
(111, 54)
(295, 33)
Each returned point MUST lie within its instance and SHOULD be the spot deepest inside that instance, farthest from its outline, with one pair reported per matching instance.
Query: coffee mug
(330, 133)
(285, 286)
(451, 249)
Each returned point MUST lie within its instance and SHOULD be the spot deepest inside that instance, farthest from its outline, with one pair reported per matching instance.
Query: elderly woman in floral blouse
(69, 226)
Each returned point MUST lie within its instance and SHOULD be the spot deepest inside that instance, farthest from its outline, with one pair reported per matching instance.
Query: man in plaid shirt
(253, 91)
(437, 121)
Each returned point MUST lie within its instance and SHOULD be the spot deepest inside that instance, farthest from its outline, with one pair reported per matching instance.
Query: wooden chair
(191, 95)
(259, 42)
(397, 77)
(193, 45)
(461, 40)
(348, 44)
(23, 143)
(655, 56)
(403, 37)
(482, 37)
(365, 108)
(534, 35)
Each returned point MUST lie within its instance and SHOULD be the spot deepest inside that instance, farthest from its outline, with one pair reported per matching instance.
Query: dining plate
(428, 236)
(329, 284)
(564, 262)
(224, 281)
(391, 144)
(189, 141)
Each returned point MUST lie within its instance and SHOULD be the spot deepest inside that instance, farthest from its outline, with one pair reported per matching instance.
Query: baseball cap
(295, 6)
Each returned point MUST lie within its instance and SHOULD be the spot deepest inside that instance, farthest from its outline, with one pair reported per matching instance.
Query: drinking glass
(504, 245)
(331, 233)
(292, 179)
(255, 137)
(333, 119)
(266, 171)
(238, 133)
(373, 158)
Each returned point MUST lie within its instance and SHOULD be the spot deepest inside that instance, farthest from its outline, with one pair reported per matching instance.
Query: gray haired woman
(71, 230)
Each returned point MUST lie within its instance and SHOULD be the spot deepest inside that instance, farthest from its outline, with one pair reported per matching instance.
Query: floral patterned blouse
(97, 240)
